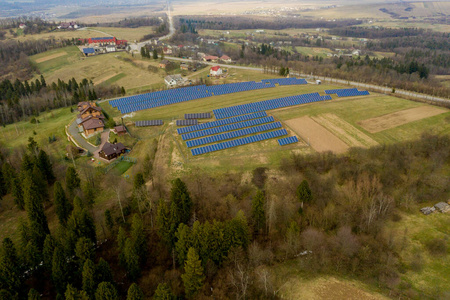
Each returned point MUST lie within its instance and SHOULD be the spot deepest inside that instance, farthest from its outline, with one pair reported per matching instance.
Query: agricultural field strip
(399, 118)
(316, 135)
(345, 131)
(50, 57)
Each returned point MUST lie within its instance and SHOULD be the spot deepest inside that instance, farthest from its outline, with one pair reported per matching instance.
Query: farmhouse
(90, 119)
(164, 63)
(110, 151)
(225, 58)
(68, 25)
(211, 58)
(173, 80)
(103, 41)
(215, 71)
(167, 50)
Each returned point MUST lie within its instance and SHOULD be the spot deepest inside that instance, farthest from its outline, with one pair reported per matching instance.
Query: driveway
(73, 131)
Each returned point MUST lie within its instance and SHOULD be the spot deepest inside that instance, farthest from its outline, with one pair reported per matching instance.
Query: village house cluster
(102, 45)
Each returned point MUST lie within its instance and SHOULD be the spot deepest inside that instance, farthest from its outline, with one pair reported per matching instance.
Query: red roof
(215, 68)
(224, 57)
(210, 57)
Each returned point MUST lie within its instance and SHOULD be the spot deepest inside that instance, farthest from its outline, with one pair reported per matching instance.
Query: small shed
(120, 130)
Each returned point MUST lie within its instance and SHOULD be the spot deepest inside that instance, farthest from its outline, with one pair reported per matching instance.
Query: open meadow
(67, 63)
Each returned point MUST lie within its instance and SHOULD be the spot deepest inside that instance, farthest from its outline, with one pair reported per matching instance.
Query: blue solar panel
(347, 92)
(235, 126)
(241, 141)
(288, 140)
(232, 134)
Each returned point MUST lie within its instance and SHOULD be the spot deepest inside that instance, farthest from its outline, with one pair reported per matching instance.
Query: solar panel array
(221, 122)
(347, 92)
(198, 116)
(288, 140)
(237, 110)
(239, 142)
(187, 122)
(149, 123)
(161, 98)
(285, 81)
(235, 126)
(232, 134)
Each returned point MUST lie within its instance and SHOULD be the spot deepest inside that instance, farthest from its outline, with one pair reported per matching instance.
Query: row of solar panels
(239, 142)
(268, 105)
(149, 123)
(222, 122)
(285, 81)
(347, 92)
(198, 116)
(225, 128)
(187, 122)
(288, 140)
(167, 97)
(232, 134)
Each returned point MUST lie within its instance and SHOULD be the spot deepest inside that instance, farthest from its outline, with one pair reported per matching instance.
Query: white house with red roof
(215, 71)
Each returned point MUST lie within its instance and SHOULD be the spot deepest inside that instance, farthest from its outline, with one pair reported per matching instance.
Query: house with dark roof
(110, 151)
(164, 63)
(120, 130)
(92, 126)
(90, 118)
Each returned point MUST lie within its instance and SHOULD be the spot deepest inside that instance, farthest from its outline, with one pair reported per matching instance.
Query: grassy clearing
(321, 52)
(129, 34)
(60, 35)
(293, 281)
(424, 272)
(74, 65)
(121, 167)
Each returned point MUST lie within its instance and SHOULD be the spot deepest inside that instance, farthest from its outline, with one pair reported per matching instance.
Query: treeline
(131, 23)
(216, 235)
(34, 25)
(237, 23)
(376, 33)
(161, 30)
(22, 99)
(14, 56)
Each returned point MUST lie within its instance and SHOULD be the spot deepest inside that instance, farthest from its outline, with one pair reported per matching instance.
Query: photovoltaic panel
(239, 142)
(230, 127)
(149, 123)
(198, 116)
(288, 140)
(232, 134)
(187, 122)
(222, 122)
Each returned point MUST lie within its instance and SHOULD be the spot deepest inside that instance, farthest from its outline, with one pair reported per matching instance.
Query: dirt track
(402, 117)
(318, 137)
(50, 57)
(103, 79)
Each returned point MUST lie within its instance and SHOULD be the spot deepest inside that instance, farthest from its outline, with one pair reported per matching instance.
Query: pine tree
(80, 224)
(103, 271)
(59, 270)
(106, 291)
(184, 242)
(88, 277)
(163, 292)
(181, 202)
(9, 175)
(258, 212)
(37, 220)
(109, 222)
(132, 260)
(164, 222)
(18, 193)
(122, 90)
(193, 277)
(62, 204)
(135, 292)
(73, 294)
(47, 252)
(45, 166)
(34, 295)
(3, 189)
(139, 239)
(43, 83)
(304, 193)
(72, 180)
(84, 250)
(10, 274)
(155, 54)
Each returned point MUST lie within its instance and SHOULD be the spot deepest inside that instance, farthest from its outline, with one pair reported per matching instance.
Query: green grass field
(129, 34)
(68, 62)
